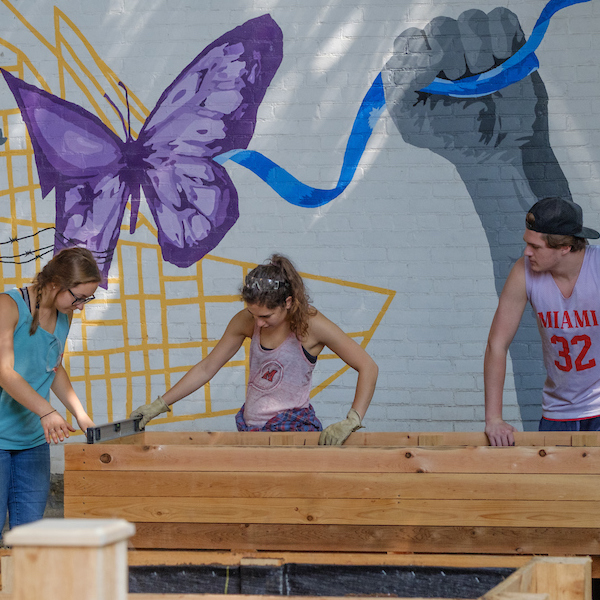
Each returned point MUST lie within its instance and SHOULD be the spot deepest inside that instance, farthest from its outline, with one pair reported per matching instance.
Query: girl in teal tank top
(34, 323)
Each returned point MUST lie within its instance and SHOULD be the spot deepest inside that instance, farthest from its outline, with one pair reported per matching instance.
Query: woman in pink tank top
(287, 335)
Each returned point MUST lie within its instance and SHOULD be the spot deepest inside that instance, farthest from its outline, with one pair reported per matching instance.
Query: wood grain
(355, 538)
(339, 511)
(383, 492)
(432, 486)
(359, 438)
(351, 459)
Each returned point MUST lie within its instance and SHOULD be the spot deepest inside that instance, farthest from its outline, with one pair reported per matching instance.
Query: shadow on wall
(498, 143)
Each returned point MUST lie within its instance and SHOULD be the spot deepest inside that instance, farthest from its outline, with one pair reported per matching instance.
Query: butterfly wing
(194, 203)
(210, 108)
(79, 157)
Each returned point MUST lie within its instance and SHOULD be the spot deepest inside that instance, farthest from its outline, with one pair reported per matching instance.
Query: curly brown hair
(272, 283)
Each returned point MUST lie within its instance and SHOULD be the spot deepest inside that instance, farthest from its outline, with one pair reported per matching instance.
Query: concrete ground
(55, 508)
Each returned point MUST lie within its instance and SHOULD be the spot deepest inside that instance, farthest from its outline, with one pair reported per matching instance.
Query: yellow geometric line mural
(148, 328)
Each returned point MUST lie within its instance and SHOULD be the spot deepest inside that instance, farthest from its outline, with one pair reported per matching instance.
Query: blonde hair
(67, 269)
(271, 284)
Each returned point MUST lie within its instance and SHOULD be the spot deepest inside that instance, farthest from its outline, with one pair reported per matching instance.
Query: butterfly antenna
(127, 134)
(128, 110)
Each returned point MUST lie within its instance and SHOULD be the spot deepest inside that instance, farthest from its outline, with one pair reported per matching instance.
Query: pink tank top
(280, 379)
(570, 331)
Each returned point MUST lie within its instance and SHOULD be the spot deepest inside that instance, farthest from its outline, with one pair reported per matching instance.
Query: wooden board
(359, 438)
(339, 511)
(384, 492)
(331, 459)
(276, 484)
(195, 557)
(356, 538)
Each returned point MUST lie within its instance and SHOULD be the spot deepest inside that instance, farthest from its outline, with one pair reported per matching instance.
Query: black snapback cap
(558, 216)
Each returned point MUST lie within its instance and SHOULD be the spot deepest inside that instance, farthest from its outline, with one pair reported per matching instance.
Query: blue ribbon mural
(519, 65)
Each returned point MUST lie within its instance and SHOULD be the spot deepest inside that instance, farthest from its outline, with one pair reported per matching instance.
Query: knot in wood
(105, 458)
(408, 455)
(542, 453)
(309, 517)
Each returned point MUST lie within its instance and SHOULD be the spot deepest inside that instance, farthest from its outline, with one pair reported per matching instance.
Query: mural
(210, 108)
(150, 327)
(492, 45)
(208, 114)
(498, 152)
(452, 87)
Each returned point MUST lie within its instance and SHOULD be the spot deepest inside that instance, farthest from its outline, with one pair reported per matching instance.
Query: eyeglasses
(77, 300)
(265, 285)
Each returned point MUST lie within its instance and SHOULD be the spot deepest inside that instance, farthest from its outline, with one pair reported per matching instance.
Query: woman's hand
(149, 411)
(84, 422)
(338, 433)
(56, 429)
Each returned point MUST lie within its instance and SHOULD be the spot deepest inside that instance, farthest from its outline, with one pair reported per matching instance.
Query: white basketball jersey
(570, 331)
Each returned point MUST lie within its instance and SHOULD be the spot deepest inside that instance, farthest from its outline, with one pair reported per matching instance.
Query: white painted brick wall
(406, 222)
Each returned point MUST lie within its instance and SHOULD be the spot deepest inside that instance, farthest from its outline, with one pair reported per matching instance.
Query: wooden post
(6, 570)
(70, 559)
(567, 578)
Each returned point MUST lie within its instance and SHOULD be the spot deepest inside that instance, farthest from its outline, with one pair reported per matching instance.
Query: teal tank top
(36, 358)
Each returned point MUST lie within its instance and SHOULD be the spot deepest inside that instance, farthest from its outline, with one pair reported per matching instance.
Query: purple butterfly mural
(209, 109)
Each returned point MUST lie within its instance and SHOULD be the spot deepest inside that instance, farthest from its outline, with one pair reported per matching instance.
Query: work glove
(337, 434)
(149, 411)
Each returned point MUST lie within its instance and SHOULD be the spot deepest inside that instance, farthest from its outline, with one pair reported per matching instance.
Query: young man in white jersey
(559, 274)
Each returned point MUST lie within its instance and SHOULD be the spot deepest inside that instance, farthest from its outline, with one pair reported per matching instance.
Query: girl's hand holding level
(55, 427)
(84, 422)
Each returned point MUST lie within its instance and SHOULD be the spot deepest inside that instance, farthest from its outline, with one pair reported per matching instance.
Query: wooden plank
(436, 439)
(354, 538)
(229, 438)
(564, 579)
(442, 486)
(517, 583)
(359, 438)
(351, 459)
(7, 568)
(385, 511)
(232, 558)
(261, 438)
(585, 438)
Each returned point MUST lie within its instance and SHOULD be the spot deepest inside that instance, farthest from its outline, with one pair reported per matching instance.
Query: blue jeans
(24, 484)
(591, 424)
